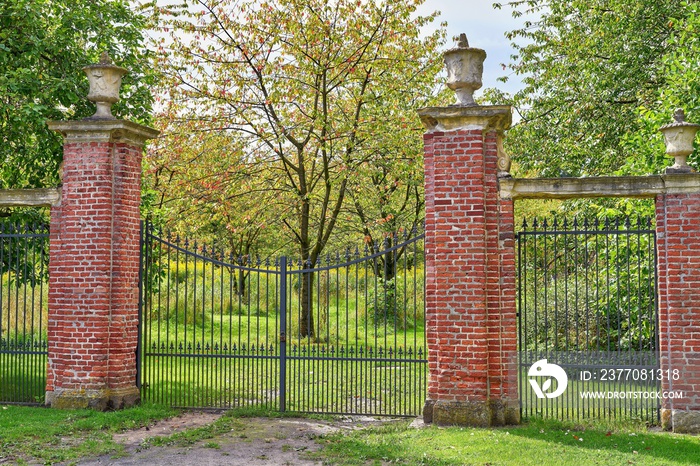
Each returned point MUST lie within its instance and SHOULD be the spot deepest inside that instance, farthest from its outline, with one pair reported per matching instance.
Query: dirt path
(251, 442)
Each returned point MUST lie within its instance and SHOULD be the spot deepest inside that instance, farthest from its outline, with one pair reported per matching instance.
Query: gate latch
(283, 337)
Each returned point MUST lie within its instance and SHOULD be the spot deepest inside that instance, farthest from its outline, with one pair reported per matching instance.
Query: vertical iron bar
(139, 324)
(24, 244)
(176, 368)
(587, 311)
(267, 341)
(42, 339)
(15, 265)
(283, 336)
(3, 348)
(577, 316)
(655, 310)
(519, 322)
(222, 361)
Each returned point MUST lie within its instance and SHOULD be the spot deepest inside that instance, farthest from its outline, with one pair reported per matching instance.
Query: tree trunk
(389, 271)
(240, 284)
(306, 312)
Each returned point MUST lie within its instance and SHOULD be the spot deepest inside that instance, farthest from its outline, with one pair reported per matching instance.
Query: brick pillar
(94, 266)
(470, 270)
(678, 249)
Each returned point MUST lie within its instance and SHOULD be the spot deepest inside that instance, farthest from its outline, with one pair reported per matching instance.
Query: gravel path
(252, 442)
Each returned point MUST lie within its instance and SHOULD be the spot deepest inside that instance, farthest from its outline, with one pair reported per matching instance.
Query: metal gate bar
(23, 312)
(587, 303)
(219, 331)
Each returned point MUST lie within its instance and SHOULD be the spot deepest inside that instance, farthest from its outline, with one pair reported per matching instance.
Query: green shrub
(388, 305)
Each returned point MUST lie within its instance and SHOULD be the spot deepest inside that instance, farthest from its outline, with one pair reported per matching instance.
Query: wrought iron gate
(344, 336)
(23, 312)
(587, 303)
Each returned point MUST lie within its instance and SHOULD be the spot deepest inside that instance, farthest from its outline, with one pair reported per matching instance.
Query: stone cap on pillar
(464, 76)
(679, 137)
(487, 118)
(465, 68)
(103, 130)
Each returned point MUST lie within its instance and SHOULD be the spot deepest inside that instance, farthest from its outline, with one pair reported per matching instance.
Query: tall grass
(23, 309)
(200, 305)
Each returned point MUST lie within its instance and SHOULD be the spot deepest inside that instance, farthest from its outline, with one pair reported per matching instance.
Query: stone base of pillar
(681, 422)
(472, 413)
(100, 399)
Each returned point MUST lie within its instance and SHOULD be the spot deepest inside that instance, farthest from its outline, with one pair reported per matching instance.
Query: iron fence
(587, 303)
(343, 335)
(23, 312)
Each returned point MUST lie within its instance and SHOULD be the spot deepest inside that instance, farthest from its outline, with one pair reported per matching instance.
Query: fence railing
(343, 335)
(23, 311)
(587, 302)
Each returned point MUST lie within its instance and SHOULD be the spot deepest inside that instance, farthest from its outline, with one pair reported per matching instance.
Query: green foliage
(600, 78)
(280, 116)
(294, 94)
(679, 65)
(43, 45)
(584, 289)
(390, 304)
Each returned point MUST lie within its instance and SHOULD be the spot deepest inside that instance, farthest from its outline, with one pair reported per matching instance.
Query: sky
(485, 28)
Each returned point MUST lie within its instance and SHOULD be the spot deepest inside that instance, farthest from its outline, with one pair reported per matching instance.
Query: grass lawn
(538, 443)
(52, 436)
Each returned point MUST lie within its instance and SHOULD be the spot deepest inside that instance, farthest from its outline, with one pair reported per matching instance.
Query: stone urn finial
(679, 137)
(465, 67)
(105, 81)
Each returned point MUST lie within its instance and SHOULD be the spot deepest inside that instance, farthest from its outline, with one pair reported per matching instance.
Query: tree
(591, 69)
(296, 82)
(388, 197)
(43, 45)
(679, 67)
(204, 188)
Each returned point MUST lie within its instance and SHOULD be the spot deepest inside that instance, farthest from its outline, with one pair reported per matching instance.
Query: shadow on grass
(620, 438)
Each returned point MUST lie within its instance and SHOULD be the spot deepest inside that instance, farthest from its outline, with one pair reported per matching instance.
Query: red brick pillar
(678, 249)
(94, 266)
(470, 270)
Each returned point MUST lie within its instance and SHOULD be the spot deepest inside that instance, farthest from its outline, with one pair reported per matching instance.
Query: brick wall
(125, 285)
(79, 269)
(94, 266)
(470, 274)
(678, 249)
(456, 266)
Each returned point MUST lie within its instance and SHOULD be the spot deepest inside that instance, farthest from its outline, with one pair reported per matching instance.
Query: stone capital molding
(604, 186)
(487, 118)
(42, 197)
(103, 130)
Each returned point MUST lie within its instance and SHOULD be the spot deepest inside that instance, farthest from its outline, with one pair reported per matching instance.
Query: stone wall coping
(487, 118)
(44, 197)
(605, 186)
(103, 130)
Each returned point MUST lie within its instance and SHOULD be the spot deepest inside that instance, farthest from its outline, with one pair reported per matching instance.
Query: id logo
(541, 369)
